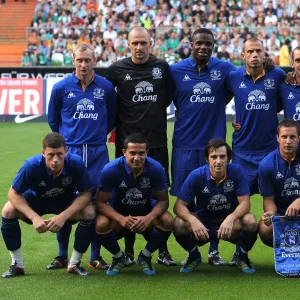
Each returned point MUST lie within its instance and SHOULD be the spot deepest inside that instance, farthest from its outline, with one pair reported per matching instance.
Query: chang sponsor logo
(143, 92)
(296, 116)
(134, 197)
(53, 192)
(218, 202)
(290, 187)
(201, 93)
(85, 110)
(257, 101)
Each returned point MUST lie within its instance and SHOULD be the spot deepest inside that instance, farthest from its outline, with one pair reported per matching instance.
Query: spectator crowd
(59, 25)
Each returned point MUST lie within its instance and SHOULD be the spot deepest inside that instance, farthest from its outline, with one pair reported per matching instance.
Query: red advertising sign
(21, 96)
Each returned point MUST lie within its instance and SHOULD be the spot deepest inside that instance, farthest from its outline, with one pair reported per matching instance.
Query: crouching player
(279, 175)
(128, 183)
(53, 182)
(223, 204)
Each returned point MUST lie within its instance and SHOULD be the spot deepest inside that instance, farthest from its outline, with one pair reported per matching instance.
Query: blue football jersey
(212, 200)
(256, 105)
(83, 116)
(132, 195)
(279, 179)
(200, 99)
(38, 178)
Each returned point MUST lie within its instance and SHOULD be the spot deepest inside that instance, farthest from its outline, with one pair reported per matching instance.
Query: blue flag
(286, 239)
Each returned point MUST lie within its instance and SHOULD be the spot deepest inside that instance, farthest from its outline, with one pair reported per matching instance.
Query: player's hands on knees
(128, 221)
(292, 211)
(225, 230)
(55, 223)
(141, 224)
(199, 230)
(236, 126)
(267, 218)
(39, 224)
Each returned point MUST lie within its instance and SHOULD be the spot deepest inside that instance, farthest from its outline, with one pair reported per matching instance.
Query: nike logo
(19, 119)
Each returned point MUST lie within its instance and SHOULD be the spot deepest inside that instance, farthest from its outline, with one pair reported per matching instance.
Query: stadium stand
(63, 24)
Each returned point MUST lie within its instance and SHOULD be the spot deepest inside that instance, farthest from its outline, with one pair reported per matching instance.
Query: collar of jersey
(246, 73)
(76, 79)
(294, 159)
(194, 64)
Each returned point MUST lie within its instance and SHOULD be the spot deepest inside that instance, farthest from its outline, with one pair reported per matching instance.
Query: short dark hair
(253, 39)
(202, 30)
(54, 140)
(297, 48)
(136, 138)
(214, 144)
(288, 123)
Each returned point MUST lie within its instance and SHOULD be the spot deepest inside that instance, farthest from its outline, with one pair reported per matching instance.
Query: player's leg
(11, 233)
(84, 233)
(183, 163)
(186, 239)
(265, 233)
(162, 156)
(129, 236)
(106, 230)
(157, 235)
(97, 158)
(245, 234)
(250, 164)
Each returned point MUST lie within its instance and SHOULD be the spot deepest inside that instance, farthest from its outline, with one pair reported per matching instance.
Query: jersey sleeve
(23, 179)
(170, 86)
(107, 180)
(266, 186)
(242, 186)
(110, 75)
(54, 107)
(188, 190)
(111, 107)
(160, 180)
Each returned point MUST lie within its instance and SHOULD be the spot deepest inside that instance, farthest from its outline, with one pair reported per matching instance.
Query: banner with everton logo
(286, 239)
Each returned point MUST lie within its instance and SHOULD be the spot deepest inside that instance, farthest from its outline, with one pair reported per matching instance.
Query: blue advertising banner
(286, 242)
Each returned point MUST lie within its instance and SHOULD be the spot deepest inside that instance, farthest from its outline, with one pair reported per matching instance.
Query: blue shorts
(250, 164)
(183, 163)
(95, 158)
(52, 205)
(127, 210)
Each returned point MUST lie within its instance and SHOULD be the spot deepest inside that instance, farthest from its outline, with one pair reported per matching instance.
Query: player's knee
(8, 211)
(265, 234)
(179, 226)
(249, 223)
(88, 212)
(103, 224)
(167, 221)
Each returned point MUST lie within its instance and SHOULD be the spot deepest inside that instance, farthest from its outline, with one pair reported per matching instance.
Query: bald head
(140, 31)
(139, 43)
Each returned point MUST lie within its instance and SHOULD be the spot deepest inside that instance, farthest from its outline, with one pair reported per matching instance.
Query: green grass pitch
(19, 142)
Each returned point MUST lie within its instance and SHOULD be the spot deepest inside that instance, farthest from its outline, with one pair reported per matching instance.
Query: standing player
(82, 108)
(256, 97)
(53, 182)
(141, 83)
(290, 94)
(279, 179)
(128, 183)
(223, 204)
(200, 96)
